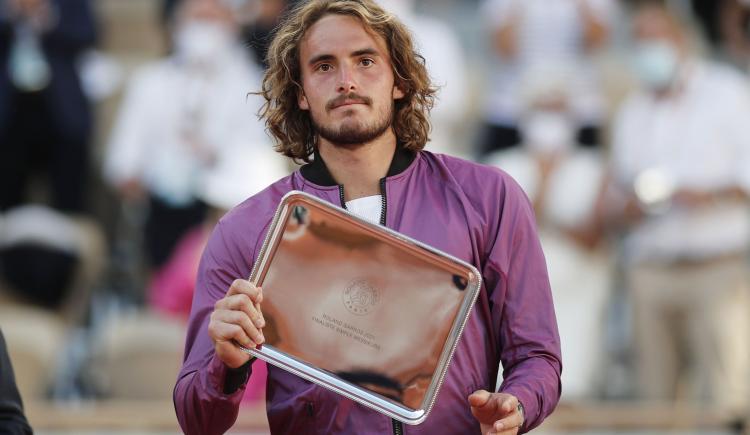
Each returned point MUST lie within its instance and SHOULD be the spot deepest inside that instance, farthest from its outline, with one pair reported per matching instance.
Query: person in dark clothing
(45, 118)
(12, 419)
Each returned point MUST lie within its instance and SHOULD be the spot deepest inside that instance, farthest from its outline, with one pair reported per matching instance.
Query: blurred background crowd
(128, 127)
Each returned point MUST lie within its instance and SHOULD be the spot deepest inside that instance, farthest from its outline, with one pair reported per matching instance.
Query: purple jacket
(473, 212)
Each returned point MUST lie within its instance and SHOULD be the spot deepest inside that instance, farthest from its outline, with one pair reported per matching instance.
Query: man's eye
(366, 62)
(324, 67)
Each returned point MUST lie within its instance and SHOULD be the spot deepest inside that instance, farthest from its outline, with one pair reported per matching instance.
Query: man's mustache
(350, 98)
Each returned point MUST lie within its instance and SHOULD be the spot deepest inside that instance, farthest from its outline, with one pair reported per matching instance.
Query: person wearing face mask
(177, 114)
(257, 20)
(525, 35)
(680, 158)
(562, 178)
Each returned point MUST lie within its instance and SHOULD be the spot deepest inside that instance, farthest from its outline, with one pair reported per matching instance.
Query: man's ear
(302, 100)
(397, 92)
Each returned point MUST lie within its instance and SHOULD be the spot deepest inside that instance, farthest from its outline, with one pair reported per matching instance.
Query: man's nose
(347, 81)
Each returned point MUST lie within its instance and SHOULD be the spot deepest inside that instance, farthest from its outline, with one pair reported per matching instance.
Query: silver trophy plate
(358, 308)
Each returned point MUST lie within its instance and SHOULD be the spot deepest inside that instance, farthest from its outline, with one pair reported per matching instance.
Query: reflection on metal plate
(360, 309)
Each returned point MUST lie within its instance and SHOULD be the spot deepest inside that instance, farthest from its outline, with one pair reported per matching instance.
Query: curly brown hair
(292, 127)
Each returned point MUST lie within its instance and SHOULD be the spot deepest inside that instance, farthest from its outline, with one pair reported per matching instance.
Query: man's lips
(348, 103)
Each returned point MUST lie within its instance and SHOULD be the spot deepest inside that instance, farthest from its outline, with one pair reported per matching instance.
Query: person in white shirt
(562, 179)
(527, 33)
(681, 154)
(176, 115)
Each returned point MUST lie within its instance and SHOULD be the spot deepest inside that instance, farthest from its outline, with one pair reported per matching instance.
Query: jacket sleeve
(12, 419)
(523, 314)
(207, 394)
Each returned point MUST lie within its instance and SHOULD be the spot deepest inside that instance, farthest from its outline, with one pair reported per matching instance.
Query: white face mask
(656, 64)
(202, 41)
(548, 132)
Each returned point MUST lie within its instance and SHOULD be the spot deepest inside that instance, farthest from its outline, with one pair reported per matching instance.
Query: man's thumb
(479, 398)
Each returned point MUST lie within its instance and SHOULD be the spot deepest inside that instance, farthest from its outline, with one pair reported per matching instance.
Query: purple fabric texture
(471, 211)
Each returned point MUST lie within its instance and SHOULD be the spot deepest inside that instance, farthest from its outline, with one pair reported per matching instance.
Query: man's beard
(353, 135)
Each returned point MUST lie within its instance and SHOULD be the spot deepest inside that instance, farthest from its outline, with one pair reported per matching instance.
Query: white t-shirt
(700, 140)
(368, 207)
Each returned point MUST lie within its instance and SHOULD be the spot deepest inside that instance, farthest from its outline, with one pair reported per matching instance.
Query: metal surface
(360, 309)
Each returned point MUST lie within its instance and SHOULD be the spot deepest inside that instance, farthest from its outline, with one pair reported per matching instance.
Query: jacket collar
(317, 171)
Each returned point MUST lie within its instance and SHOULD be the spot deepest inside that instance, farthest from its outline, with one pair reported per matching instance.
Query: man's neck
(359, 169)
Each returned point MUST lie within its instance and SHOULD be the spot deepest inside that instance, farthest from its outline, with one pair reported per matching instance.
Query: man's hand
(237, 318)
(497, 412)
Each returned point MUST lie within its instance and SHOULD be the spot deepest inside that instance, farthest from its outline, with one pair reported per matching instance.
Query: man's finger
(243, 286)
(235, 317)
(242, 303)
(507, 404)
(241, 319)
(223, 332)
(510, 422)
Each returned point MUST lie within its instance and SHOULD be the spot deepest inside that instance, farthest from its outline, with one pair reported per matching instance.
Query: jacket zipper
(383, 201)
(398, 428)
(341, 196)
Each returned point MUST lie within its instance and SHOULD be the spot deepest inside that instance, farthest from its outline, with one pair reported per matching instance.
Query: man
(345, 86)
(12, 419)
(45, 118)
(527, 34)
(681, 151)
(178, 115)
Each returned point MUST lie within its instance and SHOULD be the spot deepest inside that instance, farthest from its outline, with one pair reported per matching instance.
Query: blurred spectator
(136, 355)
(526, 33)
(681, 153)
(176, 115)
(563, 180)
(446, 64)
(239, 174)
(257, 20)
(45, 119)
(12, 419)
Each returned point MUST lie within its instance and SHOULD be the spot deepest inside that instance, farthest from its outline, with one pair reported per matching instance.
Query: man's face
(652, 25)
(347, 79)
